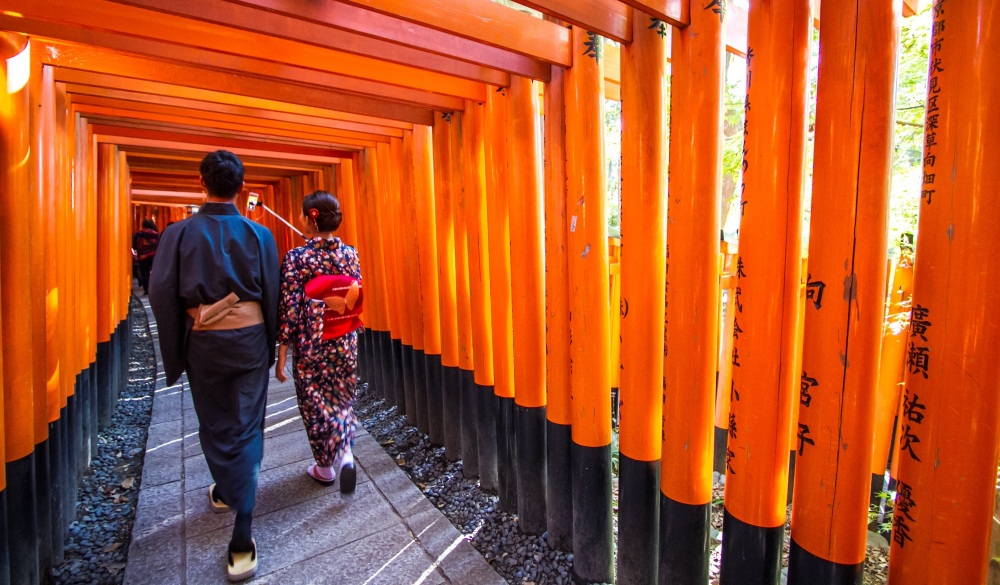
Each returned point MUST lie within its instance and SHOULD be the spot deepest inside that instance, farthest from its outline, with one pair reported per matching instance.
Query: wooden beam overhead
(381, 26)
(672, 12)
(136, 22)
(231, 63)
(484, 21)
(249, 18)
(197, 144)
(220, 129)
(91, 66)
(260, 109)
(608, 18)
(110, 132)
(225, 121)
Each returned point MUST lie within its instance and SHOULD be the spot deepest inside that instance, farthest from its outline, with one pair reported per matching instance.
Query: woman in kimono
(318, 318)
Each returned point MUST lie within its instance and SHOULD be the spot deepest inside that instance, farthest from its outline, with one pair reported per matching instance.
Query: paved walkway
(386, 532)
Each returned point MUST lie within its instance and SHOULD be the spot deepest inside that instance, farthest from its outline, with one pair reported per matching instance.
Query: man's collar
(212, 208)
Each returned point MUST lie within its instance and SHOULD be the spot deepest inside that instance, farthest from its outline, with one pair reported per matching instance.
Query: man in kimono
(214, 292)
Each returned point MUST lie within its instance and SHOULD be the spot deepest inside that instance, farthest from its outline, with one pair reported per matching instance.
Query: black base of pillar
(593, 546)
(506, 455)
(21, 520)
(389, 363)
(805, 568)
(470, 423)
(434, 373)
(363, 357)
(751, 555)
(383, 363)
(397, 393)
(559, 487)
(684, 549)
(529, 436)
(94, 414)
(4, 541)
(791, 477)
(59, 482)
(420, 389)
(487, 415)
(105, 384)
(639, 509)
(408, 407)
(451, 390)
(43, 508)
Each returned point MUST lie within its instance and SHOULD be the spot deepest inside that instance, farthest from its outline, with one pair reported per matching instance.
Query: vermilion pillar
(467, 387)
(527, 245)
(587, 252)
(766, 291)
(692, 296)
(446, 185)
(557, 363)
(477, 237)
(417, 412)
(498, 194)
(16, 307)
(387, 228)
(404, 343)
(643, 275)
(847, 259)
(426, 228)
(948, 446)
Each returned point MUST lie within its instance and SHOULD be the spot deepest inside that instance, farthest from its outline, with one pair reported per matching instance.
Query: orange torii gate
(465, 141)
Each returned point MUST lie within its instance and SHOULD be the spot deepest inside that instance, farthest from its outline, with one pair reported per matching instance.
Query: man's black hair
(223, 174)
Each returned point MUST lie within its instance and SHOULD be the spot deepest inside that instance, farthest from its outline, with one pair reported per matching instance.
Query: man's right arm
(167, 306)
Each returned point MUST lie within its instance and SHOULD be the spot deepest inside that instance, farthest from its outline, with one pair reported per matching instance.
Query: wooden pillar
(404, 393)
(45, 380)
(416, 414)
(643, 276)
(348, 203)
(397, 393)
(527, 245)
(477, 236)
(445, 181)
(426, 228)
(843, 329)
(375, 298)
(766, 291)
(463, 293)
(892, 359)
(948, 446)
(387, 229)
(558, 411)
(107, 163)
(500, 280)
(692, 295)
(17, 308)
(587, 252)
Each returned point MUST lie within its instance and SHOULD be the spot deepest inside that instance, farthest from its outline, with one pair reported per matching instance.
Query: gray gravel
(518, 557)
(98, 541)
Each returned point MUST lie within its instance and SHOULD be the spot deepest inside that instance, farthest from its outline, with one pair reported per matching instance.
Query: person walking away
(215, 289)
(321, 298)
(144, 242)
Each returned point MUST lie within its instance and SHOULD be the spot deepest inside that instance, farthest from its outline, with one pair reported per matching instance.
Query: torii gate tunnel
(465, 141)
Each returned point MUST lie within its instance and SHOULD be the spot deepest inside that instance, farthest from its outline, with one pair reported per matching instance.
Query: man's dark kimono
(198, 262)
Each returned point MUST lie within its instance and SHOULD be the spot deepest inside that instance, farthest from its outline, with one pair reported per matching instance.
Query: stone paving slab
(387, 532)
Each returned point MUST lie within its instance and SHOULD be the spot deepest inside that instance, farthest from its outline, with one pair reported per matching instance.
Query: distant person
(215, 297)
(321, 300)
(144, 242)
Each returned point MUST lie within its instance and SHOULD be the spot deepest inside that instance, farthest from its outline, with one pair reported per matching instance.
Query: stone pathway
(386, 532)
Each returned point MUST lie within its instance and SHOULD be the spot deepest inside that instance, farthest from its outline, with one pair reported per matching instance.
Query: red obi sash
(343, 296)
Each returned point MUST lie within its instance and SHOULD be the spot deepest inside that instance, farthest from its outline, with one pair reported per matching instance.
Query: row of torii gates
(465, 141)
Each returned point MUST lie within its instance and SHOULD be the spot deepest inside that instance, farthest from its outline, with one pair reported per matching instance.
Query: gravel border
(98, 540)
(517, 557)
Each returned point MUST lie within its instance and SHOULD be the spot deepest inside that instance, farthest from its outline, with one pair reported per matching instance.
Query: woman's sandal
(242, 565)
(313, 473)
(348, 478)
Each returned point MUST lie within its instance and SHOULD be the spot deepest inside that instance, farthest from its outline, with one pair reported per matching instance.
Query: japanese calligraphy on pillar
(901, 515)
(918, 361)
(933, 95)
